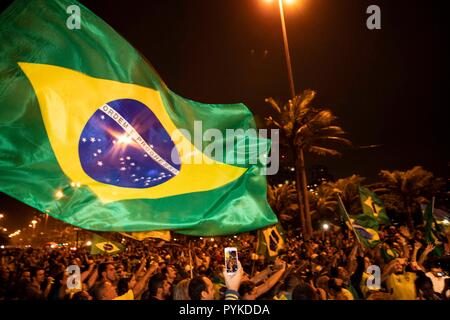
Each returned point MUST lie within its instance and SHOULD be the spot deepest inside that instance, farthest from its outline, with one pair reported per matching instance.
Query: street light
(33, 222)
(286, 44)
(1, 216)
(292, 89)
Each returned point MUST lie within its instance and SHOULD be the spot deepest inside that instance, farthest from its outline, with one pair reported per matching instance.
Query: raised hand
(153, 266)
(430, 247)
(233, 281)
(417, 245)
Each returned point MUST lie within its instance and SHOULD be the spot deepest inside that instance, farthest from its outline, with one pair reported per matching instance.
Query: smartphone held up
(231, 260)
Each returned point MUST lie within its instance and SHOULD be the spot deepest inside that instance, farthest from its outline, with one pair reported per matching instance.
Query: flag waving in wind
(372, 205)
(90, 134)
(430, 223)
(101, 245)
(270, 241)
(364, 226)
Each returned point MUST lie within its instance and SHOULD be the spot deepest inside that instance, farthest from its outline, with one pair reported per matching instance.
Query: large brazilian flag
(91, 135)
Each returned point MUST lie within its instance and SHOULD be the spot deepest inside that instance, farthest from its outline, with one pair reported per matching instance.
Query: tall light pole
(286, 49)
(300, 157)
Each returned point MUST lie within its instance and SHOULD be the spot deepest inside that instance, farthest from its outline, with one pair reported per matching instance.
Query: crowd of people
(330, 266)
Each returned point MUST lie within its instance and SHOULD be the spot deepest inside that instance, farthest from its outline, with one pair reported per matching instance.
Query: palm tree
(323, 202)
(306, 129)
(283, 200)
(347, 189)
(406, 190)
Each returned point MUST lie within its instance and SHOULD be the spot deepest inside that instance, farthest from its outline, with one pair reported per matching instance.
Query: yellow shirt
(127, 296)
(281, 296)
(402, 285)
(347, 294)
(363, 284)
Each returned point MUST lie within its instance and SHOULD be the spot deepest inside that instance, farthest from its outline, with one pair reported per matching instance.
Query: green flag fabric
(270, 241)
(432, 229)
(430, 224)
(101, 245)
(90, 134)
(372, 205)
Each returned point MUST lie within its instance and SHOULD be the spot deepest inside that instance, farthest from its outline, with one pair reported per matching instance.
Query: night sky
(388, 87)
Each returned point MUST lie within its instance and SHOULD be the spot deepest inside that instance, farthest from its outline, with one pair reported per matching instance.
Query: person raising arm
(249, 291)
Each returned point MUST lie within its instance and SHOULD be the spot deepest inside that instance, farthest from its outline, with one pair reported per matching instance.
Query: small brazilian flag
(270, 241)
(389, 254)
(372, 205)
(364, 226)
(101, 245)
(90, 134)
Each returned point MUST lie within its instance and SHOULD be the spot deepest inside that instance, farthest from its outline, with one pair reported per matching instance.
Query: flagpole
(190, 260)
(348, 217)
(432, 207)
(432, 220)
(253, 267)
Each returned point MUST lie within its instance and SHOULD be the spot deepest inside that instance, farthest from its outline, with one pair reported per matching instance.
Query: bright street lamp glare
(325, 226)
(59, 194)
(88, 243)
(288, 2)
